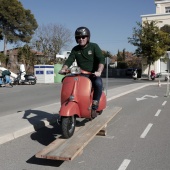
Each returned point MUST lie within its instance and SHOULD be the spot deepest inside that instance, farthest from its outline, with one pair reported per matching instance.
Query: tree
(107, 54)
(26, 56)
(124, 55)
(119, 56)
(166, 28)
(16, 23)
(151, 42)
(121, 63)
(50, 39)
(3, 58)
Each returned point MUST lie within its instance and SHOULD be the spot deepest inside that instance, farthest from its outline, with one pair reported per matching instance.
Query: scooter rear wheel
(100, 112)
(33, 82)
(68, 126)
(16, 82)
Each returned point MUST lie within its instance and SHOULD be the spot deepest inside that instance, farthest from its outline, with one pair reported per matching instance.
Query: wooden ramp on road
(68, 149)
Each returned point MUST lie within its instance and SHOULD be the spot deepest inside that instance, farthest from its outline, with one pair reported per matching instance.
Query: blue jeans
(7, 79)
(1, 81)
(97, 85)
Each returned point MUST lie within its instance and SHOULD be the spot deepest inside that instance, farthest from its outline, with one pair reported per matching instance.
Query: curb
(32, 128)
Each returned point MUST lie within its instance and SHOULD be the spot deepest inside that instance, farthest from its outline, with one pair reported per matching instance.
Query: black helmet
(82, 31)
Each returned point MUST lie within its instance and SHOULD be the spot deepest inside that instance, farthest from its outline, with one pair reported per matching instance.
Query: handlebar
(75, 70)
(64, 73)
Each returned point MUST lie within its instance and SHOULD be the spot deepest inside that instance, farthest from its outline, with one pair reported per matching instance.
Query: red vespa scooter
(76, 100)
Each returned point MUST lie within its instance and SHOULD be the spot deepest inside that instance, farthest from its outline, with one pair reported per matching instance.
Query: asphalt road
(138, 139)
(25, 97)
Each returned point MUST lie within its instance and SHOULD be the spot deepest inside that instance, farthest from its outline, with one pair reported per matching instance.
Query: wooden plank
(68, 149)
(52, 146)
(103, 131)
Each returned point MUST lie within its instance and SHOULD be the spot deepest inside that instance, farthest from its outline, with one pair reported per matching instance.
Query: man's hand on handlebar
(97, 73)
(99, 70)
(62, 72)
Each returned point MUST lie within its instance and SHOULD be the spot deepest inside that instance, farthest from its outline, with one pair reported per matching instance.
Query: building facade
(162, 16)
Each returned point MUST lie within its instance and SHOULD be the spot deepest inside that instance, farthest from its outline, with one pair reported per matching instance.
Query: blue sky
(111, 22)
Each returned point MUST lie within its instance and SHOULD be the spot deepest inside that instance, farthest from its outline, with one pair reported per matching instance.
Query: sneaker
(94, 108)
(95, 105)
(93, 114)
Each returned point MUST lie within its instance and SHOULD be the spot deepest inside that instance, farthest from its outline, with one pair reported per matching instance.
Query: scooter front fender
(69, 109)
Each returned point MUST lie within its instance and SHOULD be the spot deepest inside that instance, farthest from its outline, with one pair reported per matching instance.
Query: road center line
(158, 112)
(124, 164)
(163, 104)
(143, 135)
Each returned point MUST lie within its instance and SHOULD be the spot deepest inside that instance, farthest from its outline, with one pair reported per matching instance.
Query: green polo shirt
(87, 58)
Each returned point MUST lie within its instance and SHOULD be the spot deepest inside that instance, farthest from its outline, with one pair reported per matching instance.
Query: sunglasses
(82, 37)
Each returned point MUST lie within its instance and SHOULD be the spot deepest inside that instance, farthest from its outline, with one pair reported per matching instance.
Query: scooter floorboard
(68, 149)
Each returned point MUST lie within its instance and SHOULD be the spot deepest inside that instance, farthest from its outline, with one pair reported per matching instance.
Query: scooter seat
(26, 75)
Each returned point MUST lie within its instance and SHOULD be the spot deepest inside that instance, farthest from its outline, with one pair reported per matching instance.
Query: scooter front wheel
(68, 126)
(11, 84)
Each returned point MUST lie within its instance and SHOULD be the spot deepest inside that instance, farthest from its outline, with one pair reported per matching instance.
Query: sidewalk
(22, 123)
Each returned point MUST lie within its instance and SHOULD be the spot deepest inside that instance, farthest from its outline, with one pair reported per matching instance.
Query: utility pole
(167, 89)
(106, 74)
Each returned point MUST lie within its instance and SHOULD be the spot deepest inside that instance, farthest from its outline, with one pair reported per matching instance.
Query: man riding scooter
(90, 59)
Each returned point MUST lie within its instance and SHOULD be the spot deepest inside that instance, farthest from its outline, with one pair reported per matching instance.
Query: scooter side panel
(84, 96)
(81, 88)
(67, 88)
(69, 109)
(30, 77)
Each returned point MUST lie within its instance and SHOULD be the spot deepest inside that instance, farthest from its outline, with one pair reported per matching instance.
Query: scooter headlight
(75, 70)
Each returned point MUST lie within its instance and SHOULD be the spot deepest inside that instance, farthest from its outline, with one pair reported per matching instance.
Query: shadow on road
(45, 162)
(46, 135)
(43, 134)
(37, 117)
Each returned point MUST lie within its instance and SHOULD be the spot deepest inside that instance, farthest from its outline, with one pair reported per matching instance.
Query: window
(167, 9)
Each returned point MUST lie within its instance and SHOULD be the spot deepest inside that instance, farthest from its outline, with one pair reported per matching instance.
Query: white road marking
(163, 104)
(158, 112)
(124, 164)
(109, 137)
(143, 135)
(144, 97)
